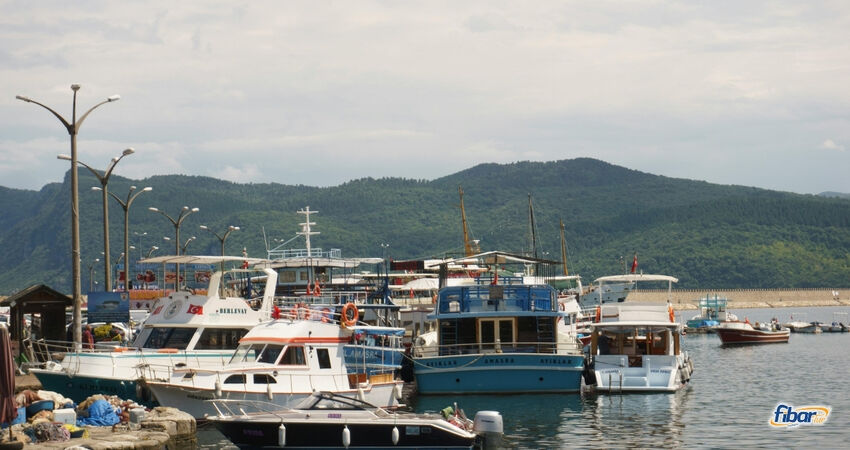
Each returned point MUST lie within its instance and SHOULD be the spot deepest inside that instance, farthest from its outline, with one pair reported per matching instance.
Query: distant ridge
(707, 235)
(834, 194)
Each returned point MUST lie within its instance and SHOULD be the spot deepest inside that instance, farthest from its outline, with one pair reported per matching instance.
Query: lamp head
(75, 87)
(21, 97)
(63, 156)
(151, 208)
(95, 188)
(113, 98)
(128, 151)
(147, 189)
(195, 209)
(203, 227)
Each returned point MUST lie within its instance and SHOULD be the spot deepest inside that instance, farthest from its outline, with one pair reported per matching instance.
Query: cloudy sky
(322, 92)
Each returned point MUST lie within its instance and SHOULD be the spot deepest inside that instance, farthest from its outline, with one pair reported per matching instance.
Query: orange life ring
(120, 349)
(598, 314)
(326, 315)
(316, 289)
(345, 319)
(167, 350)
(434, 299)
(293, 313)
(672, 314)
(304, 312)
(309, 288)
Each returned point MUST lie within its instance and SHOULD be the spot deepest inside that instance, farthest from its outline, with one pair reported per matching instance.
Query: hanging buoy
(395, 436)
(397, 391)
(269, 391)
(346, 437)
(217, 388)
(281, 436)
(360, 394)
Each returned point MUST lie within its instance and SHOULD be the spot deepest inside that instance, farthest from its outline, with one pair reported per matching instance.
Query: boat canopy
(633, 277)
(199, 259)
(378, 331)
(497, 257)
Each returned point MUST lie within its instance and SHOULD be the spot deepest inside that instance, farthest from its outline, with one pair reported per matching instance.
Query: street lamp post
(150, 252)
(176, 222)
(221, 239)
(125, 204)
(91, 274)
(183, 251)
(73, 127)
(104, 180)
(140, 235)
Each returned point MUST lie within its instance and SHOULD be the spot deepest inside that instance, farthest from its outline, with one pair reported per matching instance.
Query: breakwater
(747, 298)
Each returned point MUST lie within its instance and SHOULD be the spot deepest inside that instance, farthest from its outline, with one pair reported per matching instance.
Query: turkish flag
(634, 264)
(195, 309)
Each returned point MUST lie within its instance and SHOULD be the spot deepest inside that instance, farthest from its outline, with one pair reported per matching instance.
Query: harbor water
(732, 396)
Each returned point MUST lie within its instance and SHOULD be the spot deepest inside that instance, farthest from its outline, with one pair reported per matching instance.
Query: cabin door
(494, 334)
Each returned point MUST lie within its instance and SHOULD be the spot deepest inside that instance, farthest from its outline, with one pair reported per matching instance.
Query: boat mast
(306, 232)
(564, 248)
(533, 228)
(469, 247)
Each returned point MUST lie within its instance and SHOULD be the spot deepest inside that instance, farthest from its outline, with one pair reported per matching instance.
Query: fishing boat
(184, 330)
(838, 325)
(737, 332)
(712, 312)
(637, 348)
(329, 420)
(309, 348)
(499, 336)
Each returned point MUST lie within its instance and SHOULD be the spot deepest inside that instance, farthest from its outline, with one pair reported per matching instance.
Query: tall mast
(564, 248)
(305, 228)
(531, 225)
(468, 248)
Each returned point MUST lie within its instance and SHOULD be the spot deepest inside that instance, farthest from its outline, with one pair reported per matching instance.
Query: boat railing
(236, 407)
(151, 367)
(502, 298)
(491, 348)
(50, 350)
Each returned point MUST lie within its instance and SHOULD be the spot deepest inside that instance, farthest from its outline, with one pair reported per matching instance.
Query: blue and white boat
(502, 336)
(183, 330)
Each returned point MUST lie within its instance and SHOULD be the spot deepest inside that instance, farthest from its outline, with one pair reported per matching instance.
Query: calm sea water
(732, 395)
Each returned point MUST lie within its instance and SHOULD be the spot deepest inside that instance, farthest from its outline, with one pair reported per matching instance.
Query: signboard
(109, 307)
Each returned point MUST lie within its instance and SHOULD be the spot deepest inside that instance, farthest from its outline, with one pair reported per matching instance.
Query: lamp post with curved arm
(221, 239)
(91, 274)
(73, 127)
(150, 252)
(125, 204)
(104, 180)
(176, 222)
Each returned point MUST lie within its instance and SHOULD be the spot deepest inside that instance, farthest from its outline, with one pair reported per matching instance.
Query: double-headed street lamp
(176, 222)
(125, 204)
(221, 239)
(73, 127)
(104, 180)
(91, 274)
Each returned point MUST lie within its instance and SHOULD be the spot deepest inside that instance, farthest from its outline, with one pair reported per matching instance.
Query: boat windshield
(257, 352)
(327, 400)
(169, 337)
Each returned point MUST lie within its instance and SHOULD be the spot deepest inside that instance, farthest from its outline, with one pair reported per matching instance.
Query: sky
(322, 92)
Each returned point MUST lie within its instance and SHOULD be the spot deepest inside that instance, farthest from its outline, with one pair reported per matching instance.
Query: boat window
(263, 378)
(270, 353)
(235, 379)
(287, 276)
(294, 356)
(162, 337)
(245, 352)
(220, 338)
(493, 330)
(324, 358)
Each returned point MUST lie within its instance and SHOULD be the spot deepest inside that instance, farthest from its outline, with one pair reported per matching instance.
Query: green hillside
(708, 235)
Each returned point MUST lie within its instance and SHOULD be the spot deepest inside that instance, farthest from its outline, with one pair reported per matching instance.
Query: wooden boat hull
(744, 336)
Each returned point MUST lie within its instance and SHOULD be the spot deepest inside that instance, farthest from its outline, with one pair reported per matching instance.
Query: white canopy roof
(322, 262)
(199, 259)
(633, 277)
(422, 284)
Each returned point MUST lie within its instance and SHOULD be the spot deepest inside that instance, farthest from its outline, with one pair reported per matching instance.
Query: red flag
(634, 264)
(195, 309)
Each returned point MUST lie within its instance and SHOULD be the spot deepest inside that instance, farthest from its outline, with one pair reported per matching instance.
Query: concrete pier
(163, 427)
(747, 298)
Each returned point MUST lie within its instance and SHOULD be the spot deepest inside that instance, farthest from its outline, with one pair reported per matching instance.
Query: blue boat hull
(79, 388)
(505, 373)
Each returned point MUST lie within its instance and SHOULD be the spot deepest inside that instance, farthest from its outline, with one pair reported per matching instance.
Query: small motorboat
(329, 420)
(737, 332)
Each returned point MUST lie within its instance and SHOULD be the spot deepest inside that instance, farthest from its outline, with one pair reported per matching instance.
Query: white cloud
(829, 144)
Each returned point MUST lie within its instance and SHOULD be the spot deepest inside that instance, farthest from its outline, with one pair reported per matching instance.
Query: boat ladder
(620, 382)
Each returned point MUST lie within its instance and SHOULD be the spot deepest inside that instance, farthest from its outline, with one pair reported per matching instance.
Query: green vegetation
(710, 236)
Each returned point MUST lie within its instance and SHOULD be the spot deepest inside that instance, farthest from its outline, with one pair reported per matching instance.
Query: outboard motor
(489, 427)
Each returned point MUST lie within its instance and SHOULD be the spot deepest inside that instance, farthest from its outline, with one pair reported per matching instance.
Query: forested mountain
(710, 236)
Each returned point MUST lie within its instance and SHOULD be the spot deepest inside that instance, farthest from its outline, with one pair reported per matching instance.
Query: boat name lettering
(232, 311)
(334, 416)
(256, 433)
(786, 416)
(441, 363)
(660, 371)
(199, 397)
(555, 361)
(498, 361)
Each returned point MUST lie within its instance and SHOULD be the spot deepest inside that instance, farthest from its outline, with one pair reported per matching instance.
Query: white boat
(285, 360)
(616, 288)
(637, 347)
(839, 323)
(328, 420)
(183, 330)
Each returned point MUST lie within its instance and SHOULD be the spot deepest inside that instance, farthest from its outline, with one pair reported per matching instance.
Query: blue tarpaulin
(101, 413)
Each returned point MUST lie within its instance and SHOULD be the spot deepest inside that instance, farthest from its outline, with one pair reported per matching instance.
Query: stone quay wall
(747, 298)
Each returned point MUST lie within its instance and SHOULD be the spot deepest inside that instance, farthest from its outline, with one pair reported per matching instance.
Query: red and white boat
(737, 332)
